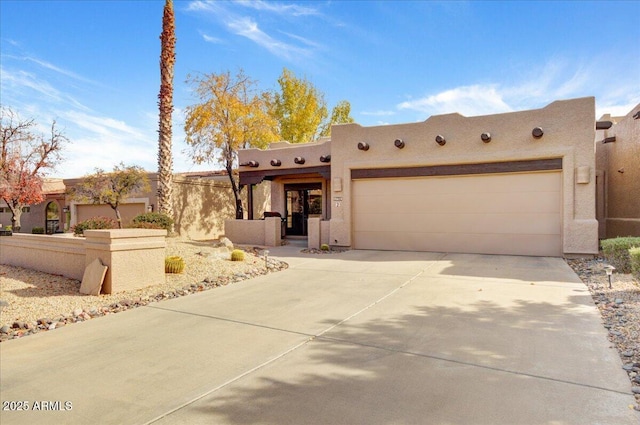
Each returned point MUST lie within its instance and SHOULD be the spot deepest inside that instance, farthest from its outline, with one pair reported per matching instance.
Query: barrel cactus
(173, 264)
(237, 255)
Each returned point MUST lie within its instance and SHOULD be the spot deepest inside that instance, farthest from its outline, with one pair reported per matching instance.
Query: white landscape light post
(609, 270)
(266, 259)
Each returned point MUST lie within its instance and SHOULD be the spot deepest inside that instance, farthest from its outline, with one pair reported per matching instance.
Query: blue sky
(93, 65)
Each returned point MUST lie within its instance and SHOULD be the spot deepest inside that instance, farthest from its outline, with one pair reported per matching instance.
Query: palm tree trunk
(165, 97)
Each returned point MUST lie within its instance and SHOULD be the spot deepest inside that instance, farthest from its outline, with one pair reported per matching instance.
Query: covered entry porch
(300, 177)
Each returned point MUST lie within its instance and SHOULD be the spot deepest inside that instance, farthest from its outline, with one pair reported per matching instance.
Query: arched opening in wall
(52, 224)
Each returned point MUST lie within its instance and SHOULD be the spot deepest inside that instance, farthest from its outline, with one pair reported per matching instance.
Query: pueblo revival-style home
(521, 183)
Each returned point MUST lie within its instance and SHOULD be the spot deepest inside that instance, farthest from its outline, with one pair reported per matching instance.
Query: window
(8, 211)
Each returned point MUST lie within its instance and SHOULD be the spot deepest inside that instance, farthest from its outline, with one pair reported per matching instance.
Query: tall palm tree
(165, 158)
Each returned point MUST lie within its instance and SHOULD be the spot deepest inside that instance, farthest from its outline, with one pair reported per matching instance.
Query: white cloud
(279, 8)
(378, 113)
(556, 80)
(466, 100)
(209, 39)
(248, 28)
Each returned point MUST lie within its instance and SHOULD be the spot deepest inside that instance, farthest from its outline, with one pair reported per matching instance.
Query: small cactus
(324, 247)
(173, 264)
(237, 255)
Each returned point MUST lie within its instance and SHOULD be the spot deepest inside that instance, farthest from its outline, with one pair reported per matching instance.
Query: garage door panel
(495, 214)
(537, 245)
(541, 223)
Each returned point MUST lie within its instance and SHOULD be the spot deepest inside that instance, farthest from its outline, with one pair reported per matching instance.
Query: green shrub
(174, 264)
(616, 251)
(634, 257)
(152, 220)
(237, 255)
(93, 224)
(37, 231)
(8, 227)
(324, 247)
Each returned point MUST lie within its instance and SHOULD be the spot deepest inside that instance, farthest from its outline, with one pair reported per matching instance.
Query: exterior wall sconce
(65, 209)
(298, 160)
(150, 208)
(252, 164)
(276, 163)
(399, 143)
(537, 132)
(636, 116)
(440, 140)
(609, 271)
(363, 146)
(486, 137)
(621, 171)
(325, 158)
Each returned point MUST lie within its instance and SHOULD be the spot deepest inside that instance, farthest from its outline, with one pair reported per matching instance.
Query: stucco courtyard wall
(618, 163)
(135, 257)
(201, 204)
(569, 132)
(201, 207)
(56, 254)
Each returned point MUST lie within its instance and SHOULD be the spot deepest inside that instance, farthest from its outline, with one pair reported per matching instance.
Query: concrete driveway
(362, 337)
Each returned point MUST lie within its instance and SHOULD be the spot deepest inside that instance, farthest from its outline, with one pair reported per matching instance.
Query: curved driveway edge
(359, 337)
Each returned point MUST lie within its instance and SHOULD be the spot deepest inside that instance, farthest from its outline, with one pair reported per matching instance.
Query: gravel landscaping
(32, 301)
(620, 311)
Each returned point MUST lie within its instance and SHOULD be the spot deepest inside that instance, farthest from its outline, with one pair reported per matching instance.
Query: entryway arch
(52, 214)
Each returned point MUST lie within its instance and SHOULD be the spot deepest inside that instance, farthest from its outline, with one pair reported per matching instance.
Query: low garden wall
(318, 232)
(267, 232)
(56, 254)
(134, 257)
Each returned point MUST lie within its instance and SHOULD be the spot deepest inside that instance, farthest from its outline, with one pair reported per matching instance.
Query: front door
(302, 200)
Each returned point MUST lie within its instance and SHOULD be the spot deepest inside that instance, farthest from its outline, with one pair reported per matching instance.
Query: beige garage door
(518, 214)
(127, 211)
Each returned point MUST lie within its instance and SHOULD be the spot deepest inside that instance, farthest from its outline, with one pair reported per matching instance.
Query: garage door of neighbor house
(127, 211)
(512, 213)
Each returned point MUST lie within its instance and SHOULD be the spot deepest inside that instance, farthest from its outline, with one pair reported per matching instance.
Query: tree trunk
(165, 97)
(118, 217)
(16, 214)
(236, 193)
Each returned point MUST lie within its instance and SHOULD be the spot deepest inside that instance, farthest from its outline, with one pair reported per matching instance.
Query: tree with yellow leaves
(231, 115)
(298, 107)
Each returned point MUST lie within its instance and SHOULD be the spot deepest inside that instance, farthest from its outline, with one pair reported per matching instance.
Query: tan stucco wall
(619, 164)
(201, 205)
(568, 134)
(286, 152)
(56, 254)
(134, 257)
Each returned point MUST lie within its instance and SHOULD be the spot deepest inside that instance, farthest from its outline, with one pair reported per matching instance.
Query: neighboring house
(618, 171)
(519, 183)
(49, 214)
(202, 202)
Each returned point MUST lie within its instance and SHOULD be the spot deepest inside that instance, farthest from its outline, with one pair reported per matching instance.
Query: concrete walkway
(362, 337)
